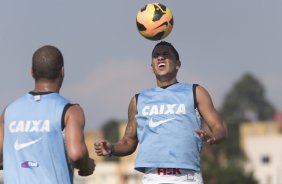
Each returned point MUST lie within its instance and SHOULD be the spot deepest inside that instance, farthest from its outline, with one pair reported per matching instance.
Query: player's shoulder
(72, 107)
(202, 93)
(17, 100)
(200, 89)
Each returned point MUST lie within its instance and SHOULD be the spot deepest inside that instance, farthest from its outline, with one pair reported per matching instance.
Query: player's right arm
(127, 145)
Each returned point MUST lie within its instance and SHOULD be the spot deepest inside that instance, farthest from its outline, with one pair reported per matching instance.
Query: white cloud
(106, 92)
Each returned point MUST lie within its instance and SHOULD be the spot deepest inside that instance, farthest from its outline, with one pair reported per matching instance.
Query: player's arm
(127, 145)
(75, 142)
(210, 116)
(1, 139)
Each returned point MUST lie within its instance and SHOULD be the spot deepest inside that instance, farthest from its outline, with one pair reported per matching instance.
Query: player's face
(164, 63)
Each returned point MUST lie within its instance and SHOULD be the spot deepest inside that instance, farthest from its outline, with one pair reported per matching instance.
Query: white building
(262, 144)
(265, 158)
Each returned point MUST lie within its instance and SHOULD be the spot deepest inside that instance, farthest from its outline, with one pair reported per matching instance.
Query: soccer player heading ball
(166, 121)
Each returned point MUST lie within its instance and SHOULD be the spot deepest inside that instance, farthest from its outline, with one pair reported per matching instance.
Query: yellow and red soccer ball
(154, 21)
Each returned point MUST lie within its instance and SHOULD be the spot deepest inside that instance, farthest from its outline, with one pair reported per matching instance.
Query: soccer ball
(154, 21)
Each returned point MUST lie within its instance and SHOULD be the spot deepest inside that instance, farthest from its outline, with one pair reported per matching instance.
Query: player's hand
(205, 136)
(89, 169)
(102, 148)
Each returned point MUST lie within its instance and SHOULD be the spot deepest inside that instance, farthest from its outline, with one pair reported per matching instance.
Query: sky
(107, 61)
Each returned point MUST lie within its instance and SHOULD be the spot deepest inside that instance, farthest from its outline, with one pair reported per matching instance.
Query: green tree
(245, 102)
(111, 133)
(217, 168)
(231, 174)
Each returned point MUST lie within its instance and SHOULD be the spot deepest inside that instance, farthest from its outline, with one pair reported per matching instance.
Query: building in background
(261, 144)
(109, 172)
(278, 120)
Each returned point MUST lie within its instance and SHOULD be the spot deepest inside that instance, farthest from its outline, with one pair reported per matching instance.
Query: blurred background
(232, 48)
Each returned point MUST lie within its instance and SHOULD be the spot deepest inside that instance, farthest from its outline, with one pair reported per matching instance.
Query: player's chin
(161, 74)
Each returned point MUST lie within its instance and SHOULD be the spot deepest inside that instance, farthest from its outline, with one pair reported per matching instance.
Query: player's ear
(178, 65)
(152, 69)
(32, 72)
(62, 72)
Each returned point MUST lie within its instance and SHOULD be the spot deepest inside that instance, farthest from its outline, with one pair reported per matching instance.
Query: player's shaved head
(47, 62)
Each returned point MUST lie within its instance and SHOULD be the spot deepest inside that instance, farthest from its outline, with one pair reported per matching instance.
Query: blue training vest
(166, 121)
(34, 149)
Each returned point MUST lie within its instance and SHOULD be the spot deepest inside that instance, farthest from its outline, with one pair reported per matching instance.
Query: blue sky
(107, 61)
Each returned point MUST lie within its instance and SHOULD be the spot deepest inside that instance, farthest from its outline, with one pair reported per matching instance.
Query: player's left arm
(128, 143)
(211, 117)
(1, 139)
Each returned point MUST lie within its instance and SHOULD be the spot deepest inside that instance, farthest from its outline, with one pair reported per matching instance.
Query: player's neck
(166, 83)
(46, 87)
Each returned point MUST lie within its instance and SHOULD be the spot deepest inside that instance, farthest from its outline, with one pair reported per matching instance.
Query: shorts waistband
(169, 171)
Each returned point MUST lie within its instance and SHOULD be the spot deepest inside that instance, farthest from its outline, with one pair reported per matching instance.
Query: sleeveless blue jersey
(34, 149)
(166, 120)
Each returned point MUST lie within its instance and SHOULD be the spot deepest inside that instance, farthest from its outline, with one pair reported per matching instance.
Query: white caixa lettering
(29, 126)
(164, 109)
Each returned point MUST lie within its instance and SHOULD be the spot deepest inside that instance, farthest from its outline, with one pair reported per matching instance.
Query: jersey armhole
(195, 96)
(136, 98)
(199, 115)
(67, 106)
